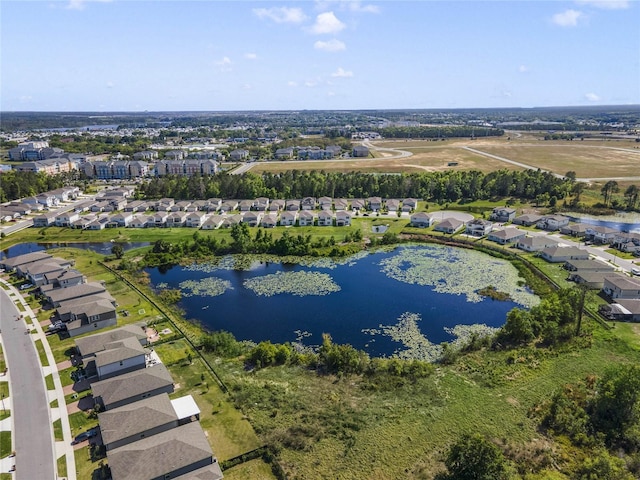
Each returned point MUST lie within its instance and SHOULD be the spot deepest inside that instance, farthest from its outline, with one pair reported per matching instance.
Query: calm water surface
(367, 299)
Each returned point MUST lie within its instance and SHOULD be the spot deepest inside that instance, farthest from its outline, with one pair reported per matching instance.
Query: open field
(587, 161)
(424, 159)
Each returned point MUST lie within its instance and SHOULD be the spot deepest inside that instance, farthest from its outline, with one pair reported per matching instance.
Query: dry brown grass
(424, 158)
(587, 159)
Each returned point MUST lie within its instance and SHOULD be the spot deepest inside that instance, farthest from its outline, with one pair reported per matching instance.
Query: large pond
(403, 302)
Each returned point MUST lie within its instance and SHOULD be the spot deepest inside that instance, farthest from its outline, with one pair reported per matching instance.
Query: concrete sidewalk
(61, 448)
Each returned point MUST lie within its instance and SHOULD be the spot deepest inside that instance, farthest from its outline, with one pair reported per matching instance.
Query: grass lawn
(228, 432)
(54, 404)
(48, 380)
(255, 469)
(5, 414)
(5, 444)
(57, 430)
(4, 389)
(62, 466)
(80, 422)
(3, 364)
(41, 353)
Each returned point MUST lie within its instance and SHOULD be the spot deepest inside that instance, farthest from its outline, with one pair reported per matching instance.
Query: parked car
(57, 327)
(84, 436)
(25, 286)
(635, 271)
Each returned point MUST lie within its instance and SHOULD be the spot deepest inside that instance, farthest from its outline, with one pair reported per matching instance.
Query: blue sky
(125, 55)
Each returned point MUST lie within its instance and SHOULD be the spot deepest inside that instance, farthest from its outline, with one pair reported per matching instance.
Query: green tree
(603, 467)
(117, 250)
(615, 410)
(241, 237)
(473, 457)
(608, 189)
(517, 329)
(631, 193)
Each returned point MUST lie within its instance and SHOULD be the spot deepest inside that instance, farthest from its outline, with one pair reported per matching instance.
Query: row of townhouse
(79, 306)
(130, 169)
(38, 203)
(145, 433)
(308, 153)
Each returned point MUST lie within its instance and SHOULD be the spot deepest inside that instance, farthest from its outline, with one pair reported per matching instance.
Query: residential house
(590, 279)
(284, 153)
(45, 220)
(66, 219)
(357, 204)
(574, 229)
(120, 356)
(59, 295)
(288, 219)
(228, 206)
(269, 221)
(503, 214)
(393, 205)
(159, 219)
(213, 222)
(47, 200)
(478, 227)
(180, 451)
(180, 206)
(621, 286)
(231, 220)
(176, 219)
(131, 387)
(601, 234)
(627, 242)
(374, 204)
(560, 253)
(88, 314)
(276, 205)
(624, 309)
(35, 272)
(360, 151)
(213, 204)
(140, 221)
(343, 218)
(341, 204)
(164, 204)
(507, 235)
(19, 261)
(422, 220)
(409, 204)
(306, 218)
(99, 223)
(325, 218)
(245, 205)
(552, 222)
(123, 219)
(135, 206)
(196, 219)
(197, 206)
(261, 204)
(449, 225)
(292, 205)
(588, 266)
(535, 243)
(527, 220)
(325, 203)
(252, 218)
(64, 279)
(239, 155)
(135, 421)
(308, 203)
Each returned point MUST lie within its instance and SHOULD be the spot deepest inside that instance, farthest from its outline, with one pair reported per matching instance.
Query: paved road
(32, 437)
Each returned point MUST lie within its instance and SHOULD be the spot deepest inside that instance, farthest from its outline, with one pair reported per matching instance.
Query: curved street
(32, 430)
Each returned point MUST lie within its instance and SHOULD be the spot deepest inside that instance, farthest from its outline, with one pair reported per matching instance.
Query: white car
(25, 286)
(635, 271)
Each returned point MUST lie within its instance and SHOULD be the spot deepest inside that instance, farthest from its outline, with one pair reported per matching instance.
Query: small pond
(404, 302)
(98, 247)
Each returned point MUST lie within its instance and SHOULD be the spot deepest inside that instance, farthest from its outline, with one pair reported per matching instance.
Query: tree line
(445, 131)
(15, 185)
(447, 186)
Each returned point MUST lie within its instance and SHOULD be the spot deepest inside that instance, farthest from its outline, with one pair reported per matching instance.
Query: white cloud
(355, 6)
(291, 83)
(332, 45)
(568, 18)
(247, 86)
(110, 85)
(81, 4)
(342, 73)
(250, 56)
(606, 4)
(592, 97)
(281, 14)
(327, 23)
(224, 65)
(523, 69)
(310, 83)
